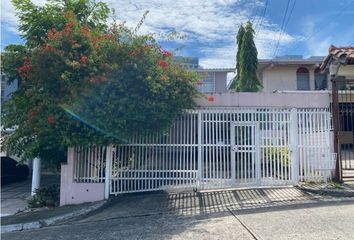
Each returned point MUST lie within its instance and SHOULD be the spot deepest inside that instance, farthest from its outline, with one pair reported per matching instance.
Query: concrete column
(36, 175)
(109, 150)
(312, 78)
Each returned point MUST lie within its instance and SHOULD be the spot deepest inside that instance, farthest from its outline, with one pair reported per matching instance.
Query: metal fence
(343, 123)
(218, 148)
(89, 164)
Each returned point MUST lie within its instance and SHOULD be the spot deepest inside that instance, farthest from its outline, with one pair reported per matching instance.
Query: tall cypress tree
(247, 80)
(239, 37)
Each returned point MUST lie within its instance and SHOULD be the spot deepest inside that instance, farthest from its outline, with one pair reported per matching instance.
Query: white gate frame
(295, 119)
(257, 160)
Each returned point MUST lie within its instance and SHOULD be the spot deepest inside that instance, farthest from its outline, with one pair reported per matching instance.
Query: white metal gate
(245, 155)
(221, 148)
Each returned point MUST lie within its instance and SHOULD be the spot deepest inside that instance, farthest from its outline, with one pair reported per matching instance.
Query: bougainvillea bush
(86, 85)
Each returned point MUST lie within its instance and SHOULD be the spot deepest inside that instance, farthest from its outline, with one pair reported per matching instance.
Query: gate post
(294, 146)
(108, 171)
(199, 177)
(335, 117)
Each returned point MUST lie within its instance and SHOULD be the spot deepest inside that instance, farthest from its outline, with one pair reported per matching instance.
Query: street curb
(332, 193)
(49, 221)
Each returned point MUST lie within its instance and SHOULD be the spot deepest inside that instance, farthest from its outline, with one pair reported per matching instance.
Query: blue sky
(210, 26)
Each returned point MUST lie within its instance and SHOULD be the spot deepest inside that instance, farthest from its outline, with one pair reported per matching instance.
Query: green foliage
(45, 197)
(36, 21)
(11, 59)
(280, 154)
(247, 80)
(239, 37)
(88, 84)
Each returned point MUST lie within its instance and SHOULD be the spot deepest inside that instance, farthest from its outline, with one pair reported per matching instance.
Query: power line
(291, 12)
(253, 11)
(262, 17)
(285, 26)
(281, 28)
(321, 29)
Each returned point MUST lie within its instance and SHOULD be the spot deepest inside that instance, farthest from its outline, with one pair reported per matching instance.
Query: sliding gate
(223, 148)
(218, 148)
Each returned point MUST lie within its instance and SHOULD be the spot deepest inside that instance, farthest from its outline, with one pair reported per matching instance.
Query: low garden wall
(75, 193)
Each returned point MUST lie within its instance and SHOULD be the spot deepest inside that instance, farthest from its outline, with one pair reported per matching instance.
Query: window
(208, 84)
(320, 80)
(303, 79)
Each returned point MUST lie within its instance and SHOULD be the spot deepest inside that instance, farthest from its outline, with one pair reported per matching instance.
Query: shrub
(45, 197)
(281, 153)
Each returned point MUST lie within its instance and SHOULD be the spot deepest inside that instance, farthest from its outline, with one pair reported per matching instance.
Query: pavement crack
(249, 230)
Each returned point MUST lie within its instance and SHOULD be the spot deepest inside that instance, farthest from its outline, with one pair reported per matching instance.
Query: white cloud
(9, 19)
(211, 25)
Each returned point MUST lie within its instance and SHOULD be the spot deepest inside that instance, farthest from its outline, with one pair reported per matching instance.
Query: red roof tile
(343, 53)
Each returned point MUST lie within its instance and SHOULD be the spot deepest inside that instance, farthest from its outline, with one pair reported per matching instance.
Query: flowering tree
(93, 85)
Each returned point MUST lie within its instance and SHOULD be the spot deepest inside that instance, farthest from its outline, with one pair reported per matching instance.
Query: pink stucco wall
(288, 99)
(75, 193)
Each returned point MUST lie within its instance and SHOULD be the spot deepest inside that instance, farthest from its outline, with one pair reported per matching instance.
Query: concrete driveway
(274, 213)
(14, 196)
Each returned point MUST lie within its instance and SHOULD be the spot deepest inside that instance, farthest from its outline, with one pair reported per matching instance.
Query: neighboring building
(339, 64)
(292, 73)
(187, 62)
(214, 80)
(7, 89)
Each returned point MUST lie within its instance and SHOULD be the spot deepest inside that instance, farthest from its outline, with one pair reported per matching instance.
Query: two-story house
(292, 73)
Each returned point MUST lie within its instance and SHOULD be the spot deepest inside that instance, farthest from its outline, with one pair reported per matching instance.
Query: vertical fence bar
(294, 149)
(199, 142)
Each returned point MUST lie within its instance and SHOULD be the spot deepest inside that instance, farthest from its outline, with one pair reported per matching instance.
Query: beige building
(292, 73)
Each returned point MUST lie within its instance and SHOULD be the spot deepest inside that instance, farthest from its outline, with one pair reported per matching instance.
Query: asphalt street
(291, 215)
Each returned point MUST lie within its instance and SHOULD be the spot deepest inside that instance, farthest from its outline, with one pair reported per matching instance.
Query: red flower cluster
(68, 15)
(67, 28)
(107, 36)
(49, 47)
(133, 54)
(163, 78)
(83, 59)
(52, 33)
(51, 120)
(163, 63)
(102, 79)
(32, 115)
(166, 53)
(85, 30)
(24, 70)
(210, 98)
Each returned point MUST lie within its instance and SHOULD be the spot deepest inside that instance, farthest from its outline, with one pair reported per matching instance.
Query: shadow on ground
(224, 214)
(201, 203)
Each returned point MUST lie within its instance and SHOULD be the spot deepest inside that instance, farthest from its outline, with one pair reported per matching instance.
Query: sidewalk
(45, 217)
(14, 196)
(330, 189)
(204, 203)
